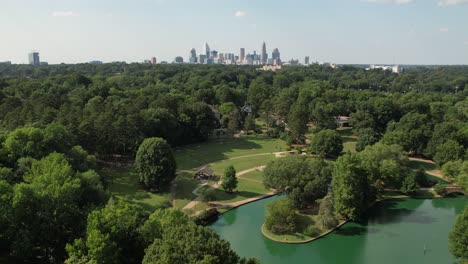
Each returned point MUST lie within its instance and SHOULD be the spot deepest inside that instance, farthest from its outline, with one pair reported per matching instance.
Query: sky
(338, 31)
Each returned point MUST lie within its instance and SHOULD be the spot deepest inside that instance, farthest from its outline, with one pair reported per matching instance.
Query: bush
(207, 217)
(421, 178)
(440, 189)
(207, 194)
(312, 231)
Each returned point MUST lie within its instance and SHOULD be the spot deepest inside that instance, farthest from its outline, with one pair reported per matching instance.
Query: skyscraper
(307, 60)
(193, 56)
(275, 54)
(242, 55)
(153, 60)
(34, 58)
(207, 50)
(264, 55)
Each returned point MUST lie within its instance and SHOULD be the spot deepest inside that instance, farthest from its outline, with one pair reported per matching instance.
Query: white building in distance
(395, 68)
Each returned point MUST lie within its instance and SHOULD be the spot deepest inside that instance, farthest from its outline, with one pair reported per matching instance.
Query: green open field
(196, 155)
(184, 188)
(416, 164)
(245, 189)
(242, 164)
(124, 183)
(254, 175)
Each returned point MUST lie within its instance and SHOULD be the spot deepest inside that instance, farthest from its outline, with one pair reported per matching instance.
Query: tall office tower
(193, 56)
(214, 54)
(153, 60)
(34, 58)
(264, 55)
(242, 55)
(275, 54)
(207, 50)
(307, 60)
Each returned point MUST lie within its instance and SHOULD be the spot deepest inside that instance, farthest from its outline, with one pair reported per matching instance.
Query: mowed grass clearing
(242, 164)
(245, 189)
(185, 185)
(124, 183)
(197, 155)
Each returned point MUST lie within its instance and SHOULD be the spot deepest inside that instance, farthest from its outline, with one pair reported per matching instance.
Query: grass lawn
(184, 188)
(219, 149)
(416, 164)
(349, 146)
(123, 183)
(254, 175)
(242, 164)
(437, 179)
(245, 189)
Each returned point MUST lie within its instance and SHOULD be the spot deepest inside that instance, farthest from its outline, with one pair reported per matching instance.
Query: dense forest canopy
(58, 122)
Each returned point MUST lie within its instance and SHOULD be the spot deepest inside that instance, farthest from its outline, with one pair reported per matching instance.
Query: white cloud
(443, 29)
(451, 2)
(240, 14)
(398, 2)
(65, 14)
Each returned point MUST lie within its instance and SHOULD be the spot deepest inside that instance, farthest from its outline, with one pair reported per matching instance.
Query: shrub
(440, 189)
(312, 231)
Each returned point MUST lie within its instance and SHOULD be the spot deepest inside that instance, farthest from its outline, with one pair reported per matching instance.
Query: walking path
(197, 200)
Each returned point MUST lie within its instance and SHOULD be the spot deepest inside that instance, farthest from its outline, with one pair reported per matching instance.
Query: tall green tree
(155, 164)
(229, 179)
(458, 237)
(349, 187)
(327, 143)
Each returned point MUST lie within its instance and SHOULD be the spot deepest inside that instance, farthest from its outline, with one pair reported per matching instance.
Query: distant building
(34, 58)
(214, 54)
(207, 50)
(6, 62)
(342, 121)
(153, 60)
(44, 63)
(179, 59)
(264, 54)
(147, 61)
(193, 56)
(272, 68)
(95, 62)
(395, 68)
(307, 60)
(242, 55)
(201, 58)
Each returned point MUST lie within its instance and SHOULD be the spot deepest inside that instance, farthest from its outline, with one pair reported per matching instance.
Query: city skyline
(341, 31)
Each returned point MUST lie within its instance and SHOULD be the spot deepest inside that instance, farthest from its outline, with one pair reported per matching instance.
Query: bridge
(455, 189)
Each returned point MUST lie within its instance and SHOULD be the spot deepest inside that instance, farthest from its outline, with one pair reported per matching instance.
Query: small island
(320, 194)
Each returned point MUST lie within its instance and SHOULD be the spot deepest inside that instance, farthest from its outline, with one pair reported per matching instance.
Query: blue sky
(341, 31)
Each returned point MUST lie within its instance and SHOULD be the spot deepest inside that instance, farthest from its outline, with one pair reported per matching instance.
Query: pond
(394, 231)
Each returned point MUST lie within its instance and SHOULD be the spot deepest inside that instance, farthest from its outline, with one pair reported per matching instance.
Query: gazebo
(204, 173)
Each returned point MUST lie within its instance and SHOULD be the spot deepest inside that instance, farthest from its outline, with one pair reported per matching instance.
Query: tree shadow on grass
(196, 155)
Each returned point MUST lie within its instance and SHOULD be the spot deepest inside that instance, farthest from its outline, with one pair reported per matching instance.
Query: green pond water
(394, 231)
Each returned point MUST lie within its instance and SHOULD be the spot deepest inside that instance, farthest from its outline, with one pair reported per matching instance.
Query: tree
(367, 137)
(112, 235)
(229, 179)
(281, 218)
(297, 121)
(326, 215)
(249, 123)
(303, 179)
(327, 143)
(458, 237)
(409, 185)
(349, 185)
(155, 164)
(411, 132)
(190, 244)
(449, 151)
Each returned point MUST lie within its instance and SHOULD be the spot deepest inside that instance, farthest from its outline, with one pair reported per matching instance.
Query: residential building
(178, 59)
